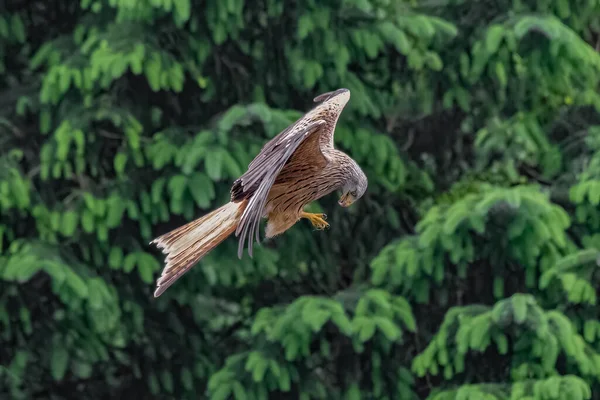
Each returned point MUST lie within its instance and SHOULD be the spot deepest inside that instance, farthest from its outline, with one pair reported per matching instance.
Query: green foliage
(311, 331)
(537, 338)
(468, 271)
(466, 229)
(567, 387)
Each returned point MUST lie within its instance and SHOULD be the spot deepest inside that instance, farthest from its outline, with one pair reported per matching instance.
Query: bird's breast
(293, 192)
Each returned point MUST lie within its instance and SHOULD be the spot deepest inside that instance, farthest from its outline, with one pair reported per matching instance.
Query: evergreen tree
(468, 271)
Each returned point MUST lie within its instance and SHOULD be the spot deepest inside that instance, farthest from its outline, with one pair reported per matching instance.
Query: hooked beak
(346, 200)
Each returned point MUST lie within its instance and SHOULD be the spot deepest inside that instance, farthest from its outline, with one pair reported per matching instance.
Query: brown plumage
(293, 169)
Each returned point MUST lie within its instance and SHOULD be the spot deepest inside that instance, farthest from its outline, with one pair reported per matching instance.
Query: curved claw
(321, 226)
(317, 220)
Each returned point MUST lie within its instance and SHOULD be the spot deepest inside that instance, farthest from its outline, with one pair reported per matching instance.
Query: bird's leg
(317, 220)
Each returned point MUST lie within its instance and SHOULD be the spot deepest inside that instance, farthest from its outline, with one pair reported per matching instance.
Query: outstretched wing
(334, 110)
(261, 175)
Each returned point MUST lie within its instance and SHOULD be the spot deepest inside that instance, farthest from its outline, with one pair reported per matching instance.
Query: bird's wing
(263, 171)
(327, 137)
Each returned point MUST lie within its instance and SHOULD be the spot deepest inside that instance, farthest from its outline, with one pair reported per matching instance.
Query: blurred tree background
(468, 271)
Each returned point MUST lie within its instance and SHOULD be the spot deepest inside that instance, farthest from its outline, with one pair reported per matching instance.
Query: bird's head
(354, 187)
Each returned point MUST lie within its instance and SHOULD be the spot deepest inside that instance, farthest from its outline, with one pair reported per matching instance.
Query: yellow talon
(317, 220)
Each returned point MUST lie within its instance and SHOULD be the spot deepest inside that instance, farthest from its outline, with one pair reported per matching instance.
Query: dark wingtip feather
(326, 96)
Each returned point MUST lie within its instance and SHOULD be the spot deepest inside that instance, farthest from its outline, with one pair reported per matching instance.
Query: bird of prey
(296, 167)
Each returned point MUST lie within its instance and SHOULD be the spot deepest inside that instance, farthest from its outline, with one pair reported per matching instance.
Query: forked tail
(186, 245)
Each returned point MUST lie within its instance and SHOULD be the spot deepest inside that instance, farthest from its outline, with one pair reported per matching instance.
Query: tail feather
(186, 245)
